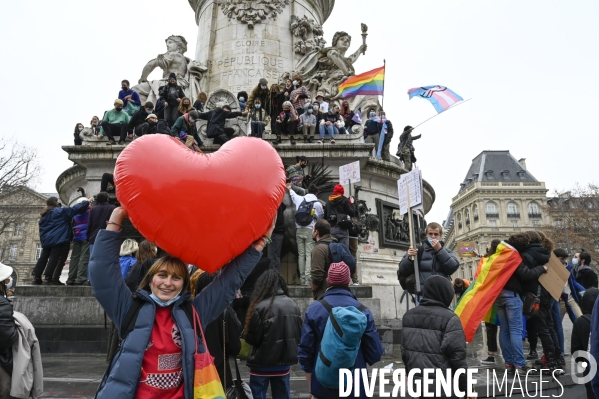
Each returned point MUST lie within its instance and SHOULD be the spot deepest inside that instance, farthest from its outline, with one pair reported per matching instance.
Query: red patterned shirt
(161, 368)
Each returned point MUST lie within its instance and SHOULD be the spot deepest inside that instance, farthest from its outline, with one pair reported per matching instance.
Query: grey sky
(530, 67)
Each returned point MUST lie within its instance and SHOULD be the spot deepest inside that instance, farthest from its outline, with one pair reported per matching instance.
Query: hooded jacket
(534, 256)
(432, 335)
(315, 322)
(274, 332)
(55, 226)
(319, 266)
(80, 226)
(582, 325)
(97, 220)
(262, 94)
(216, 121)
(442, 262)
(8, 334)
(122, 377)
(586, 277)
(339, 205)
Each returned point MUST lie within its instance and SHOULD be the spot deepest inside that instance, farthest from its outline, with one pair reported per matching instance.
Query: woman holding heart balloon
(156, 357)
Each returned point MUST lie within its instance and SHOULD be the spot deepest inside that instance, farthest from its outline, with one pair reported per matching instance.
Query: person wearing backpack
(307, 210)
(338, 211)
(581, 330)
(317, 334)
(433, 258)
(432, 335)
(326, 251)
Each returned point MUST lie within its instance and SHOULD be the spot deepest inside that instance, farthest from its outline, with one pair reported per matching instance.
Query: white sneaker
(356, 283)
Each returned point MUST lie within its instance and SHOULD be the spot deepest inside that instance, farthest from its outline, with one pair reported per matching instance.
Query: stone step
(73, 339)
(359, 291)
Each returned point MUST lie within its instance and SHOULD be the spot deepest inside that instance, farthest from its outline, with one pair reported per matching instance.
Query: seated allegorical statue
(189, 73)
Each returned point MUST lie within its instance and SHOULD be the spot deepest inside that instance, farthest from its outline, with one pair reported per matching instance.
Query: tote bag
(206, 383)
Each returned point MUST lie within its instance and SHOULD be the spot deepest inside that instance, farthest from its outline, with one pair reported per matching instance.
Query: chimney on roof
(522, 162)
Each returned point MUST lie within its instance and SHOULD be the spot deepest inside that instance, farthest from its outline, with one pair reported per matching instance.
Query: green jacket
(114, 117)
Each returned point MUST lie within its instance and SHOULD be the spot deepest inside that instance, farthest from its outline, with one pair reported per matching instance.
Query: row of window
(492, 212)
(14, 251)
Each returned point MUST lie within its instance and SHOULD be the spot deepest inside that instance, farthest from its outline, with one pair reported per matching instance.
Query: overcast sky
(530, 68)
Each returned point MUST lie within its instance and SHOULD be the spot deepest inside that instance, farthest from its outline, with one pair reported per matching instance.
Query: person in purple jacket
(80, 251)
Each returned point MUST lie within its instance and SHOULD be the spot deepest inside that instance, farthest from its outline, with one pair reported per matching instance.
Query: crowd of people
(283, 109)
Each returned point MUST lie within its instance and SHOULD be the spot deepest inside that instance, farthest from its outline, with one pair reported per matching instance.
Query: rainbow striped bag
(206, 383)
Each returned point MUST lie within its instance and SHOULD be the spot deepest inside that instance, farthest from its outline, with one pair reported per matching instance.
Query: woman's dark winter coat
(587, 277)
(216, 121)
(55, 226)
(274, 332)
(232, 344)
(432, 335)
(582, 325)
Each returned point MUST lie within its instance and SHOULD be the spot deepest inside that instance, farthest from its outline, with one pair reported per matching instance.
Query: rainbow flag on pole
(369, 83)
(476, 304)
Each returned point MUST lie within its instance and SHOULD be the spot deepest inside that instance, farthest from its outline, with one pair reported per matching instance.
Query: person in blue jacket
(315, 320)
(156, 359)
(55, 237)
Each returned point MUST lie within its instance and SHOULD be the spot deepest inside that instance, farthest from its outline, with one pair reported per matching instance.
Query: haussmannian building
(498, 197)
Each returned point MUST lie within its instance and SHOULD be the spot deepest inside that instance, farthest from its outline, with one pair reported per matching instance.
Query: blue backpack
(340, 253)
(340, 343)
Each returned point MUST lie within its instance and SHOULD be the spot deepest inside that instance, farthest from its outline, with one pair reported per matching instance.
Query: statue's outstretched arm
(150, 66)
(354, 57)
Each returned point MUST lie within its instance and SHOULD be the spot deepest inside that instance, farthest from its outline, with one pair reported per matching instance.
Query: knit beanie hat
(338, 190)
(338, 274)
(172, 76)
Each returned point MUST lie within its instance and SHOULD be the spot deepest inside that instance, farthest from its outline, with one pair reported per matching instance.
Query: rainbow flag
(476, 304)
(369, 83)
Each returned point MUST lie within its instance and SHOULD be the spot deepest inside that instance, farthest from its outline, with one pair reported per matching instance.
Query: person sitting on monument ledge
(152, 125)
(115, 122)
(259, 118)
(184, 106)
(262, 92)
(242, 97)
(276, 105)
(216, 123)
(307, 124)
(299, 95)
(348, 116)
(139, 118)
(329, 123)
(286, 92)
(78, 129)
(186, 124)
(287, 123)
(201, 100)
(128, 95)
(171, 94)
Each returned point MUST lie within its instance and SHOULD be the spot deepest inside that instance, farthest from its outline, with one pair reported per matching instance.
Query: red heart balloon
(202, 208)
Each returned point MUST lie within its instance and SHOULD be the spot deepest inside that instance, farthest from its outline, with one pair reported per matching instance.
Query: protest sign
(555, 278)
(349, 173)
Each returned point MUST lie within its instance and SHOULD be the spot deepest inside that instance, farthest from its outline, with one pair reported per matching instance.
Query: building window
(38, 251)
(505, 174)
(475, 213)
(522, 174)
(514, 223)
(493, 223)
(535, 223)
(14, 249)
(492, 211)
(467, 217)
(17, 230)
(459, 221)
(534, 211)
(489, 174)
(512, 211)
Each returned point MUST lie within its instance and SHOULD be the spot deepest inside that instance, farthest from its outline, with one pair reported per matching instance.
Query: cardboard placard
(466, 249)
(349, 173)
(555, 278)
(413, 180)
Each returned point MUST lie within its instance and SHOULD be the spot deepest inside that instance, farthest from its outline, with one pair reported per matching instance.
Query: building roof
(48, 195)
(496, 166)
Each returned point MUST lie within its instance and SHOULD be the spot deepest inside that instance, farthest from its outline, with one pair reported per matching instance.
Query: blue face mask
(163, 304)
(241, 99)
(575, 262)
(372, 114)
(430, 240)
(310, 111)
(257, 106)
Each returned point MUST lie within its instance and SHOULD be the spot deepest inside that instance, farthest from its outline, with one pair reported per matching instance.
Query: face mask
(382, 116)
(430, 240)
(80, 129)
(124, 88)
(119, 108)
(192, 120)
(372, 114)
(263, 87)
(163, 304)
(295, 82)
(172, 83)
(310, 111)
(186, 104)
(575, 262)
(149, 111)
(287, 111)
(241, 99)
(303, 165)
(153, 123)
(257, 106)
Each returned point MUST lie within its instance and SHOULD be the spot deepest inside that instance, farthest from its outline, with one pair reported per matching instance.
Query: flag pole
(384, 73)
(453, 106)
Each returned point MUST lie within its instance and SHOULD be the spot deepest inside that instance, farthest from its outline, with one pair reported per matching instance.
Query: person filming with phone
(433, 258)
